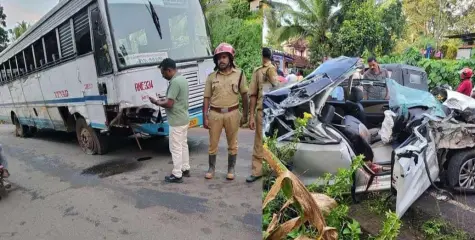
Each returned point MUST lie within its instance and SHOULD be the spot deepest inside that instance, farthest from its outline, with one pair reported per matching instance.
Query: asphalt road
(60, 193)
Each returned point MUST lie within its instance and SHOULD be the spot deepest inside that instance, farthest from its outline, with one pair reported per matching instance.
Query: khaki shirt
(223, 90)
(376, 92)
(263, 78)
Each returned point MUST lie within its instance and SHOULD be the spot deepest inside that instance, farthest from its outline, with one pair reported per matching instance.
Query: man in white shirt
(291, 78)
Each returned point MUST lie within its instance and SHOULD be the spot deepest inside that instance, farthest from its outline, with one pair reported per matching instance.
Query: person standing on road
(263, 77)
(465, 86)
(375, 72)
(4, 163)
(299, 75)
(291, 78)
(176, 107)
(221, 97)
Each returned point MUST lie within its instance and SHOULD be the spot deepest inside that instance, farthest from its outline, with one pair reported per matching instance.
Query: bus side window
(101, 49)
(2, 74)
(9, 70)
(30, 62)
(21, 63)
(39, 53)
(82, 33)
(51, 45)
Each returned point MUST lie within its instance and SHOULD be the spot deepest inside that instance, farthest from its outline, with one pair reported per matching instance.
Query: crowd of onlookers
(288, 75)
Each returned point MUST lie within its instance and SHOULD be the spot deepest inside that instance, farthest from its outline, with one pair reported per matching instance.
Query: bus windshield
(177, 30)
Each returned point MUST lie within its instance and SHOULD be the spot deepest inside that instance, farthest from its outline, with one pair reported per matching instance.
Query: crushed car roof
(334, 68)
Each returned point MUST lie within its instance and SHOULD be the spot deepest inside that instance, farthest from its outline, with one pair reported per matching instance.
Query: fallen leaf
(285, 228)
(292, 186)
(287, 204)
(302, 237)
(326, 203)
(273, 223)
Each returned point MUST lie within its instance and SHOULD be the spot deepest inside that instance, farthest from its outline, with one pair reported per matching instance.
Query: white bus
(88, 66)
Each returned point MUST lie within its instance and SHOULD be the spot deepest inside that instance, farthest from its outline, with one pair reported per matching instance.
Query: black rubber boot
(212, 166)
(251, 179)
(231, 164)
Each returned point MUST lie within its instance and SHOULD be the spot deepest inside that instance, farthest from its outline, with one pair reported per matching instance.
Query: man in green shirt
(176, 108)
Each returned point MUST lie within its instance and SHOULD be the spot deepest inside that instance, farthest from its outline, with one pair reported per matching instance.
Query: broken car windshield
(334, 68)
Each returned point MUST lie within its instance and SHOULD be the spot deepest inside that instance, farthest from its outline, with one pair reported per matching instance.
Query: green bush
(451, 52)
(242, 29)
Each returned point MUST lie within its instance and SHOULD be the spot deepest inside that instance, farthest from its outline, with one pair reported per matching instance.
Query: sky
(25, 10)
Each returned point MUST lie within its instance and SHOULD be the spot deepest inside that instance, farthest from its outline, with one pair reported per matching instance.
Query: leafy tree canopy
(3, 32)
(234, 23)
(343, 27)
(19, 29)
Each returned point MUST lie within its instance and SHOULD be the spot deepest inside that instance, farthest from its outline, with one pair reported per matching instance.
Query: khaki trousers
(178, 143)
(230, 121)
(258, 152)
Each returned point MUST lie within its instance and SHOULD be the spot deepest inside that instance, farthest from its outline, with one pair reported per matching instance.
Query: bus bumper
(163, 129)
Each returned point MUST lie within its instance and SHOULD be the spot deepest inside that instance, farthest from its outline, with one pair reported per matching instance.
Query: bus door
(103, 65)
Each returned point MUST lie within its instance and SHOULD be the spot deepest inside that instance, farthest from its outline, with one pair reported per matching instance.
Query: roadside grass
(438, 229)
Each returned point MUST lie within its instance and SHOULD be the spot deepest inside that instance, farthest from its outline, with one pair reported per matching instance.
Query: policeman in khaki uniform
(221, 96)
(263, 78)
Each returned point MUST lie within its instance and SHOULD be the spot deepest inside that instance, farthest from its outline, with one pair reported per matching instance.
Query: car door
(410, 178)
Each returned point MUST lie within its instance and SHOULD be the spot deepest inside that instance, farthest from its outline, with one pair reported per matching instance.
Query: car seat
(356, 109)
(327, 114)
(354, 106)
(358, 135)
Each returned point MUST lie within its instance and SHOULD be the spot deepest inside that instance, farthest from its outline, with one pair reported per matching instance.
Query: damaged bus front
(160, 29)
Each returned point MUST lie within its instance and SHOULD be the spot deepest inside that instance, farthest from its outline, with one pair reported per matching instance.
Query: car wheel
(90, 141)
(461, 171)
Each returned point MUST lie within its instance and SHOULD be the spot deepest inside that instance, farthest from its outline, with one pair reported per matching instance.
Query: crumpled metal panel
(449, 135)
(284, 105)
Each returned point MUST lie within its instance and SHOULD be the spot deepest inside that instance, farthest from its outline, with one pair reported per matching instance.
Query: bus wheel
(20, 130)
(90, 141)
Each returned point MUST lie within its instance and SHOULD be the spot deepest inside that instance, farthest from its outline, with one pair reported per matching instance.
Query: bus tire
(20, 130)
(90, 141)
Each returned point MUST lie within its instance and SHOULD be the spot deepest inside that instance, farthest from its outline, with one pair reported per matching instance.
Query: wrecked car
(406, 141)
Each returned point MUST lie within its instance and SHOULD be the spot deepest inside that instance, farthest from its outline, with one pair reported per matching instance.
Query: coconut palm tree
(313, 20)
(273, 25)
(273, 14)
(19, 29)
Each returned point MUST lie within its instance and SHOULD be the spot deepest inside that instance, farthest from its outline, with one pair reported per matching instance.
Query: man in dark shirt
(465, 86)
(376, 73)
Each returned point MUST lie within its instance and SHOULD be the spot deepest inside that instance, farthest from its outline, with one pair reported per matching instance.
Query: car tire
(460, 162)
(90, 140)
